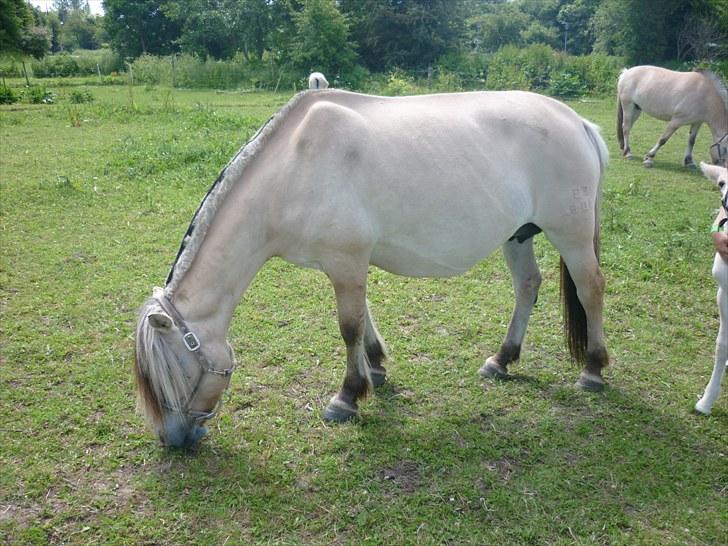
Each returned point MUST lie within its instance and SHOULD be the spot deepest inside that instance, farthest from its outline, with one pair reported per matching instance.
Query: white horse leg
(672, 126)
(376, 350)
(705, 404)
(583, 268)
(350, 288)
(631, 113)
(688, 161)
(526, 282)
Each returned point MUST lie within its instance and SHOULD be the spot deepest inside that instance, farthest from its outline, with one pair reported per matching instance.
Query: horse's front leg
(672, 126)
(526, 282)
(350, 287)
(712, 390)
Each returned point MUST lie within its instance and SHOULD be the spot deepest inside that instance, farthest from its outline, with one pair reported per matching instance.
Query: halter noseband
(722, 158)
(193, 345)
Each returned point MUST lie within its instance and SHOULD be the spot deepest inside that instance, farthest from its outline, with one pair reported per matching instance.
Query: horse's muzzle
(179, 431)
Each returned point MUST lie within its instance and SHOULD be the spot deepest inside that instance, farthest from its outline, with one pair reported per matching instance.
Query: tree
(322, 39)
(404, 33)
(140, 26)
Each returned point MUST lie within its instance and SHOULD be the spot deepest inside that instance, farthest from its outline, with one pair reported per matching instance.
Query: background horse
(719, 175)
(680, 98)
(316, 80)
(421, 186)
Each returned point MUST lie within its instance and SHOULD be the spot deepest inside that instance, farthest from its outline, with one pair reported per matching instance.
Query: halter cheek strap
(193, 345)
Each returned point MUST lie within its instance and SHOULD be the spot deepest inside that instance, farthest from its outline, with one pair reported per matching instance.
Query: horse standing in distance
(719, 175)
(317, 81)
(422, 186)
(680, 98)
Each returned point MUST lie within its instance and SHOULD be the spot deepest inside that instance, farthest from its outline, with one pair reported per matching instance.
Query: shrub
(7, 96)
(39, 95)
(566, 84)
(60, 65)
(80, 96)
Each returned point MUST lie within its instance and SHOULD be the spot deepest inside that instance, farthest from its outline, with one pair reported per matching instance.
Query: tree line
(340, 36)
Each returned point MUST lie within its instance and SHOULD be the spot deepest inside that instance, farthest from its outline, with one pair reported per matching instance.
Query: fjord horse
(680, 98)
(423, 186)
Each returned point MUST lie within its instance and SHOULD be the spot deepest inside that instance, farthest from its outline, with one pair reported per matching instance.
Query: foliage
(405, 34)
(322, 39)
(91, 218)
(140, 27)
(38, 94)
(7, 95)
(80, 96)
(18, 32)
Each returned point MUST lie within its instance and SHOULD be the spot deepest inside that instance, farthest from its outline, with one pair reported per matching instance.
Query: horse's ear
(711, 171)
(160, 321)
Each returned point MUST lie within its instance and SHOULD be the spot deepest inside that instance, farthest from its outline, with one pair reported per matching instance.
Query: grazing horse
(317, 81)
(422, 186)
(680, 98)
(719, 175)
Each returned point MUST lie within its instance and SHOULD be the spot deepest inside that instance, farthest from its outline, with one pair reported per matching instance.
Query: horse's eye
(721, 184)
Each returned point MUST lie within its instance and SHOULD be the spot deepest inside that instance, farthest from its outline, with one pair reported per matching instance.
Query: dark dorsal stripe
(193, 223)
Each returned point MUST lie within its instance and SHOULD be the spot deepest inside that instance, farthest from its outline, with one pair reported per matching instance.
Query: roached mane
(216, 194)
(718, 83)
(159, 378)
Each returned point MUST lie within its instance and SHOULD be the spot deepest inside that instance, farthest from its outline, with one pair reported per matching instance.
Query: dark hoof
(493, 370)
(590, 383)
(379, 377)
(339, 411)
(692, 166)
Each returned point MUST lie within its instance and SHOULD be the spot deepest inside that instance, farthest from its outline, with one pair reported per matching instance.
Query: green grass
(94, 200)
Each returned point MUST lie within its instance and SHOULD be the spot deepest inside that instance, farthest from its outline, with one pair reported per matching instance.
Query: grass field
(94, 201)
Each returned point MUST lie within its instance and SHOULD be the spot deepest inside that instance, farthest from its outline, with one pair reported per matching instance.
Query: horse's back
(664, 93)
(437, 182)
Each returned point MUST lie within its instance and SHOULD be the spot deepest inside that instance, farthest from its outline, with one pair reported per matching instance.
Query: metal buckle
(191, 341)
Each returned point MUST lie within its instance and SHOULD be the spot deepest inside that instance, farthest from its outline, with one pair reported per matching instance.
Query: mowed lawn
(94, 200)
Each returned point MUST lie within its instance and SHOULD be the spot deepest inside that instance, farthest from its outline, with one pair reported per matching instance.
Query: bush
(60, 65)
(566, 84)
(7, 96)
(80, 96)
(39, 95)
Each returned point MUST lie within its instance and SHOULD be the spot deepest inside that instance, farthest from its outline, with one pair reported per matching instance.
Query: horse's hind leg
(350, 288)
(688, 161)
(526, 282)
(712, 390)
(583, 269)
(376, 350)
(672, 126)
(630, 114)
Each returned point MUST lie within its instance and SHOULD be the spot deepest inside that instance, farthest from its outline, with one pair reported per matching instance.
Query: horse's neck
(232, 252)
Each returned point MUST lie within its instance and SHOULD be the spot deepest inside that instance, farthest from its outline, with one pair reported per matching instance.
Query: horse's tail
(575, 323)
(620, 120)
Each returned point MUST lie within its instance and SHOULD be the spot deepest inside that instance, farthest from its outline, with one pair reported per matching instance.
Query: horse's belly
(429, 261)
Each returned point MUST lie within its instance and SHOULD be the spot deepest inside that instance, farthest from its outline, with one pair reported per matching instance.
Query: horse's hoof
(629, 156)
(702, 409)
(691, 166)
(648, 163)
(493, 370)
(590, 383)
(339, 411)
(379, 377)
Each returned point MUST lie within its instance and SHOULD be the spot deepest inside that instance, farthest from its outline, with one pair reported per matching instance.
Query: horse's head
(719, 151)
(719, 175)
(180, 375)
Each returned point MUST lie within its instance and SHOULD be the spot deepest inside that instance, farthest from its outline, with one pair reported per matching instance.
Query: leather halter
(722, 158)
(193, 345)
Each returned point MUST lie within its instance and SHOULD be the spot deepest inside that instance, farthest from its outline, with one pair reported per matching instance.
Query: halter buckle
(191, 341)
